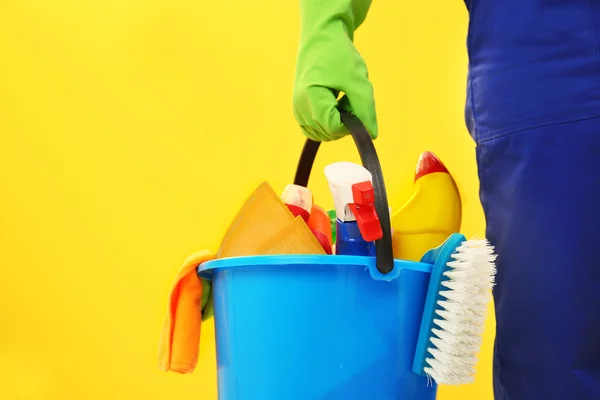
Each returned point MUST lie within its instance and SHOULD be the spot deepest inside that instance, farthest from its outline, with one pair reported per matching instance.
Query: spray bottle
(357, 224)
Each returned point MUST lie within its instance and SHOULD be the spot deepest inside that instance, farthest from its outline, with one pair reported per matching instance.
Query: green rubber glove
(207, 300)
(328, 64)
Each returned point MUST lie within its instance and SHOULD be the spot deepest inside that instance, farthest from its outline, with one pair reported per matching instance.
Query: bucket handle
(370, 160)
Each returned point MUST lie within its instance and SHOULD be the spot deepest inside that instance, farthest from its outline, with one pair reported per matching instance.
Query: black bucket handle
(370, 160)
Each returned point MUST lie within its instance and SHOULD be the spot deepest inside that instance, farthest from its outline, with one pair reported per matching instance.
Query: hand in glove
(328, 64)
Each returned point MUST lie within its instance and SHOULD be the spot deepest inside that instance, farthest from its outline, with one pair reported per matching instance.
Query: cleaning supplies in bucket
(335, 358)
(295, 334)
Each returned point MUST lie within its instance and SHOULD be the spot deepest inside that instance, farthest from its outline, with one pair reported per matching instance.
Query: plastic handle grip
(370, 160)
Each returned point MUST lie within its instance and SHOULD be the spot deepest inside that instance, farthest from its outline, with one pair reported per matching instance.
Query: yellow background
(130, 133)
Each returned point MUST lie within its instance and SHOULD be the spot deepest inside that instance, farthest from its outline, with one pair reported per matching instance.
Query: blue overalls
(533, 108)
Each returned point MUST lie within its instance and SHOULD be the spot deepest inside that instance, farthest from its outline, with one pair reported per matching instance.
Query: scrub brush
(455, 309)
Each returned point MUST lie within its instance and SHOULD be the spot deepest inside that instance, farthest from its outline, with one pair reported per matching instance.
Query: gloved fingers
(315, 107)
(360, 101)
(303, 114)
(310, 133)
(325, 113)
(326, 135)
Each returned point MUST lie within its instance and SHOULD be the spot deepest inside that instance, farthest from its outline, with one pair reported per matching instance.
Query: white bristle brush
(455, 309)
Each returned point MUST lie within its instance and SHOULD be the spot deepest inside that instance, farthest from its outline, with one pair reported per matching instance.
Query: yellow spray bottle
(432, 213)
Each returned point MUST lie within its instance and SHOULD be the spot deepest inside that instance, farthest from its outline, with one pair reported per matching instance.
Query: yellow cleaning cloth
(178, 348)
(294, 238)
(260, 217)
(264, 225)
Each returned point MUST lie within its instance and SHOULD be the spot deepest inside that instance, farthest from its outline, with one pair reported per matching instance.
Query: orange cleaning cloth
(179, 344)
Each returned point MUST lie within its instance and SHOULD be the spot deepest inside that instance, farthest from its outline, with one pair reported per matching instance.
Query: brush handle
(370, 160)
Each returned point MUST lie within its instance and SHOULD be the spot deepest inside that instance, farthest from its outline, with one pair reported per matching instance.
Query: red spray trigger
(364, 211)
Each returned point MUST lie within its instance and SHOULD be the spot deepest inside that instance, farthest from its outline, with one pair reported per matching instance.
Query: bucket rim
(370, 263)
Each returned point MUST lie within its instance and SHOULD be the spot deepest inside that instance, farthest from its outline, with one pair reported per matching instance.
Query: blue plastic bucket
(317, 328)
